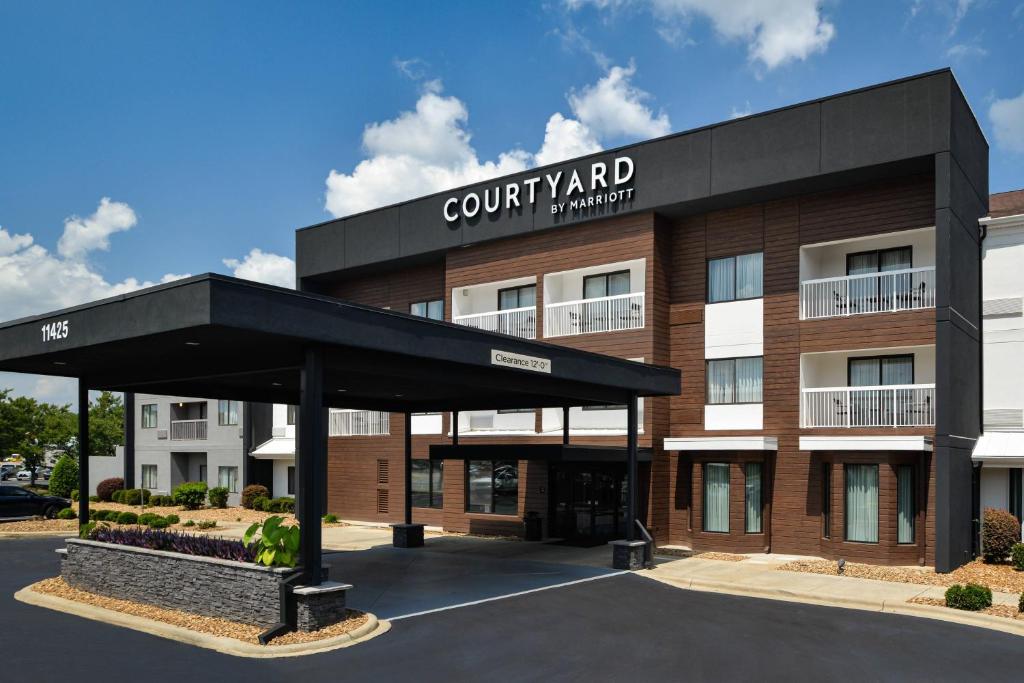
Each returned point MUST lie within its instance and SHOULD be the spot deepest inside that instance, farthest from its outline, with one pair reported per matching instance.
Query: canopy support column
(407, 534)
(129, 440)
(629, 553)
(83, 452)
(565, 425)
(311, 462)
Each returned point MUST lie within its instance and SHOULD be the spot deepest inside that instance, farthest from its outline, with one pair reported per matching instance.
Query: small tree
(65, 476)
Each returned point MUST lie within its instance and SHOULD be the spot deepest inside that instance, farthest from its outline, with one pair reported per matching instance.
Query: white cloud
(964, 50)
(429, 149)
(265, 267)
(740, 112)
(1008, 122)
(82, 235)
(776, 31)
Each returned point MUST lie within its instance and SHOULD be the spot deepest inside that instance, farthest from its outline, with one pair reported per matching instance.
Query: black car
(18, 502)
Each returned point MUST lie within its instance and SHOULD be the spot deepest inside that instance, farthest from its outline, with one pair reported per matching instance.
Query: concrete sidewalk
(759, 576)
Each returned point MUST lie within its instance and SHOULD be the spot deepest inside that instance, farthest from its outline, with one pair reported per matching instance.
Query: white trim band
(865, 443)
(722, 443)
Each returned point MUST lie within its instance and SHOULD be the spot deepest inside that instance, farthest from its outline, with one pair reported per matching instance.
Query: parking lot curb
(230, 646)
(36, 534)
(1011, 626)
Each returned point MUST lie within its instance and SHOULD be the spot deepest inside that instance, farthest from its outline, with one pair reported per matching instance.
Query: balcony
(906, 405)
(188, 430)
(601, 314)
(889, 291)
(518, 322)
(359, 423)
(497, 422)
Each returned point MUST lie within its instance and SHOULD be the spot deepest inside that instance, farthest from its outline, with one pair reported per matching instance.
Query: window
(861, 503)
(606, 284)
(878, 371)
(1015, 492)
(427, 483)
(290, 414)
(149, 476)
(149, 416)
(227, 412)
(826, 499)
(716, 497)
(899, 258)
(517, 297)
(735, 277)
(493, 486)
(734, 380)
(291, 480)
(878, 291)
(752, 497)
(202, 473)
(228, 477)
(428, 309)
(905, 504)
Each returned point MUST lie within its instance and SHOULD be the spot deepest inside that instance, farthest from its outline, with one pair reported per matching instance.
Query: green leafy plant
(1000, 530)
(172, 519)
(218, 497)
(281, 505)
(251, 492)
(94, 499)
(146, 517)
(260, 504)
(972, 597)
(135, 496)
(330, 519)
(102, 515)
(207, 524)
(116, 496)
(1017, 556)
(86, 530)
(73, 495)
(127, 518)
(1020, 603)
(191, 495)
(190, 522)
(276, 545)
(66, 513)
(65, 476)
(158, 523)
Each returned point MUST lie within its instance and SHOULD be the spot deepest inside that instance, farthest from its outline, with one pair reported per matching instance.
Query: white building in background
(275, 457)
(1000, 450)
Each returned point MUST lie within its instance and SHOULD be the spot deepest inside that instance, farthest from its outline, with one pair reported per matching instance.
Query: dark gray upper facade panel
(910, 119)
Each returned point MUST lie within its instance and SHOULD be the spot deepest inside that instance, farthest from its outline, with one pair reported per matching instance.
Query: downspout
(287, 615)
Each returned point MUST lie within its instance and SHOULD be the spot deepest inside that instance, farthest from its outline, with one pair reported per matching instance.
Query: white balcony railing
(359, 423)
(904, 405)
(604, 314)
(188, 430)
(894, 290)
(518, 322)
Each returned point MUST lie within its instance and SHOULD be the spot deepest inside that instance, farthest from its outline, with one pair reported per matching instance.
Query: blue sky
(212, 127)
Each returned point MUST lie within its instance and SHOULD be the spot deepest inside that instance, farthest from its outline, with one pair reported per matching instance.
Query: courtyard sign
(602, 190)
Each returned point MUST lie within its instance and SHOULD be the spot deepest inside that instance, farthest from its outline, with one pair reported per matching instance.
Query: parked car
(24, 475)
(18, 502)
(8, 470)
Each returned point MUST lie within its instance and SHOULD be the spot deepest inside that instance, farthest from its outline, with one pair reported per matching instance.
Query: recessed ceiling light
(191, 343)
(275, 384)
(343, 390)
(59, 362)
(399, 395)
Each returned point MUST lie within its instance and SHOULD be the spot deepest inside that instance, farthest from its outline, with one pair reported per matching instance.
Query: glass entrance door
(586, 503)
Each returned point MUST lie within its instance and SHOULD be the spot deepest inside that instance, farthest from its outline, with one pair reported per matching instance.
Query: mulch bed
(1006, 611)
(1002, 578)
(210, 625)
(725, 557)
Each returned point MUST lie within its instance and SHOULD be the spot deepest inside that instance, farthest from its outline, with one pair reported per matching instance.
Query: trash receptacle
(532, 527)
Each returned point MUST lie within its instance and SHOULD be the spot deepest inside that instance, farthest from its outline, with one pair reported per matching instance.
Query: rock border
(229, 646)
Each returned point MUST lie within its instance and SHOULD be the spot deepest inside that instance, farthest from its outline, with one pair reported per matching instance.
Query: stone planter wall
(238, 591)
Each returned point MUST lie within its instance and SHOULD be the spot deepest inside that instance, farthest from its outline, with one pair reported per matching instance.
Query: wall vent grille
(1004, 418)
(382, 501)
(992, 308)
(382, 472)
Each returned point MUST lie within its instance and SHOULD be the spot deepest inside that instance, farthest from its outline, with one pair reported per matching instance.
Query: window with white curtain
(149, 476)
(227, 412)
(228, 477)
(736, 277)
(752, 497)
(861, 503)
(735, 380)
(905, 504)
(716, 497)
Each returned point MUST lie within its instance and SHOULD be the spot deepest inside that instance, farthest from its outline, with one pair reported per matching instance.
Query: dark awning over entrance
(217, 337)
(551, 452)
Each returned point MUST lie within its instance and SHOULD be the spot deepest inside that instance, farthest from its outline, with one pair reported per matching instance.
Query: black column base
(628, 555)
(407, 535)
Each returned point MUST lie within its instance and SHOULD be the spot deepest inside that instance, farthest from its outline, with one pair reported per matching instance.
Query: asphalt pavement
(609, 628)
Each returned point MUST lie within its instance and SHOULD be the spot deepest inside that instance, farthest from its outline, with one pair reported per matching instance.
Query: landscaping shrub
(972, 597)
(207, 524)
(172, 519)
(330, 518)
(146, 517)
(999, 532)
(218, 496)
(94, 499)
(86, 530)
(66, 513)
(260, 504)
(175, 541)
(281, 505)
(117, 496)
(1020, 603)
(190, 522)
(161, 501)
(106, 488)
(73, 495)
(159, 523)
(64, 477)
(99, 515)
(191, 495)
(251, 492)
(127, 518)
(135, 496)
(1017, 556)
